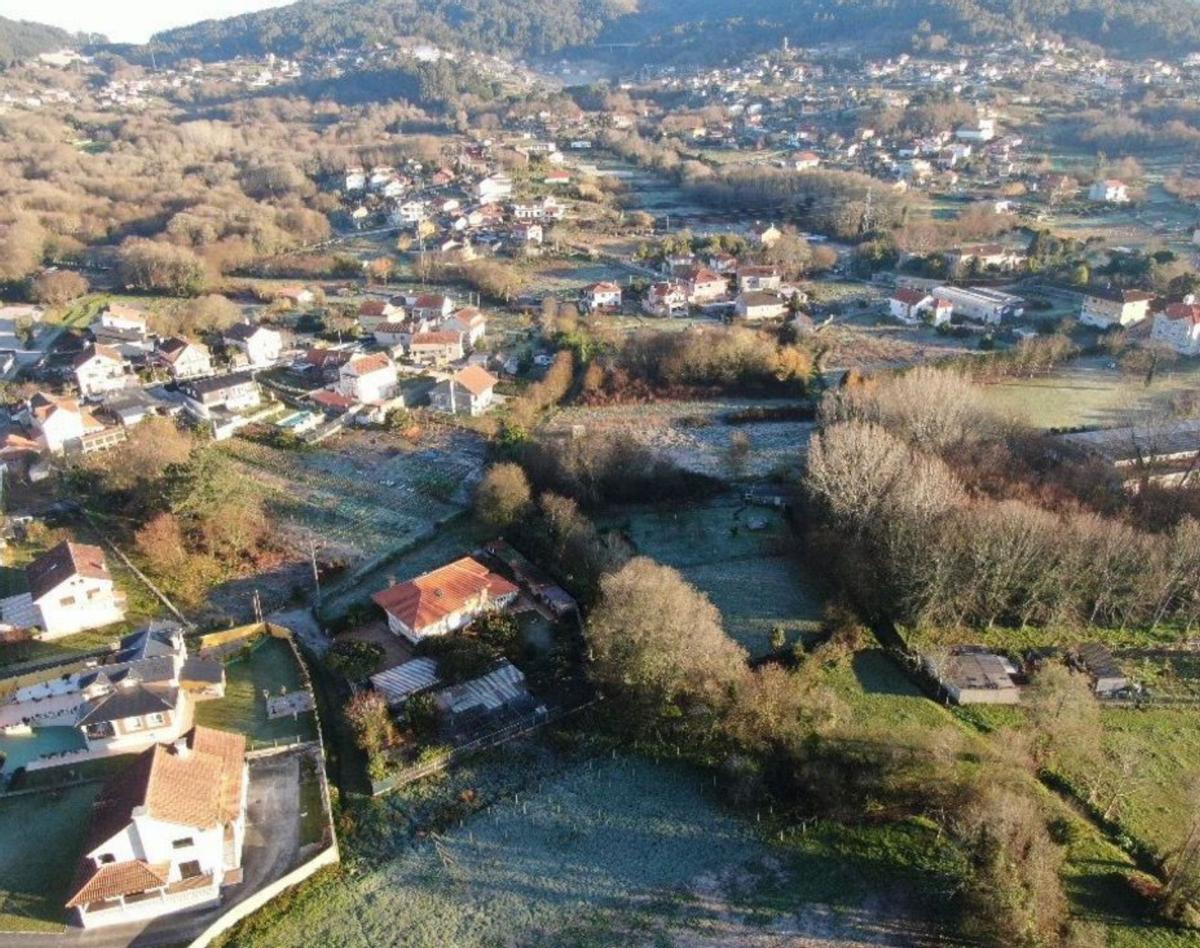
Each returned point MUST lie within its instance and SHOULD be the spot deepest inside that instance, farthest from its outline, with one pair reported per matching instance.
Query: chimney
(181, 749)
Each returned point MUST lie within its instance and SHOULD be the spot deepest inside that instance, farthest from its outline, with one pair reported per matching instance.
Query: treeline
(21, 40)
(938, 514)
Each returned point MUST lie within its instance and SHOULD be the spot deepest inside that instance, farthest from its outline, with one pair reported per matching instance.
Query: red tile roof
(476, 379)
(428, 599)
(120, 878)
(1188, 311)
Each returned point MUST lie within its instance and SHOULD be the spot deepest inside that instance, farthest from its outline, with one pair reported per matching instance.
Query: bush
(355, 659)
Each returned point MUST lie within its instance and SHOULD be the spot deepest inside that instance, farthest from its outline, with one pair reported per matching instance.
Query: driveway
(271, 850)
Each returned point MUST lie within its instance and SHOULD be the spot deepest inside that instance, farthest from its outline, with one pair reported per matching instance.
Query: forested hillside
(20, 39)
(667, 29)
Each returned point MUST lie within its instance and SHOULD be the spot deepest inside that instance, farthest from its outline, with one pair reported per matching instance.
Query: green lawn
(269, 667)
(43, 836)
(751, 575)
(1088, 392)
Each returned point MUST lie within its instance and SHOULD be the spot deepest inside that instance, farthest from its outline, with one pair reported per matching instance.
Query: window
(105, 858)
(186, 843)
(133, 724)
(189, 869)
(67, 601)
(157, 718)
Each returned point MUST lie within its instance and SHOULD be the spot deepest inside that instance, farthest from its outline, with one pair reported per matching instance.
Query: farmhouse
(470, 322)
(665, 299)
(985, 257)
(701, 284)
(369, 379)
(444, 600)
(432, 306)
(166, 833)
(1109, 191)
(372, 314)
(908, 303)
(601, 297)
(759, 280)
(1104, 307)
(469, 392)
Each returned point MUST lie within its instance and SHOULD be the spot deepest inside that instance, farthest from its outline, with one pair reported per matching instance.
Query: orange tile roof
(476, 379)
(428, 599)
(365, 364)
(43, 405)
(441, 338)
(120, 878)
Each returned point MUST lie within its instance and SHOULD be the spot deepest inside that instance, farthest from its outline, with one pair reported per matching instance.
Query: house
(723, 263)
(981, 304)
(123, 328)
(531, 234)
(804, 161)
(1057, 187)
(494, 188)
(444, 600)
(973, 675)
(1109, 191)
(62, 424)
(1178, 327)
(323, 362)
(766, 236)
(436, 347)
(469, 321)
(184, 359)
(908, 303)
(98, 369)
(1104, 307)
(373, 314)
(469, 392)
(665, 299)
(702, 285)
(432, 306)
(70, 590)
(260, 345)
(759, 280)
(557, 178)
(296, 295)
(547, 209)
(166, 833)
(756, 306)
(600, 297)
(981, 130)
(369, 379)
(356, 180)
(205, 398)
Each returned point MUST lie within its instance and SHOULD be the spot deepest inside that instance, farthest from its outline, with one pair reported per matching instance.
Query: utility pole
(312, 551)
(868, 221)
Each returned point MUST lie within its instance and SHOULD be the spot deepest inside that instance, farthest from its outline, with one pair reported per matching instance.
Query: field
(43, 834)
(1090, 392)
(359, 495)
(696, 436)
(751, 575)
(268, 669)
(613, 850)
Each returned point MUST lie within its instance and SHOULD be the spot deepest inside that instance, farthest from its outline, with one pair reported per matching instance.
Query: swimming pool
(18, 751)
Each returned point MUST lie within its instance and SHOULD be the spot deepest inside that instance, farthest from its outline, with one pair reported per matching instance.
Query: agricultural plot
(359, 495)
(697, 436)
(615, 850)
(566, 278)
(43, 836)
(741, 558)
(1091, 392)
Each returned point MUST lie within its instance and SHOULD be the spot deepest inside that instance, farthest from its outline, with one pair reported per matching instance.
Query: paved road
(272, 848)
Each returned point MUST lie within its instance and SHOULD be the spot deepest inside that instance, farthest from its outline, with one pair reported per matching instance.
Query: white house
(166, 833)
(123, 328)
(469, 321)
(369, 379)
(983, 130)
(184, 359)
(908, 303)
(62, 424)
(98, 370)
(444, 600)
(70, 590)
(436, 347)
(759, 280)
(206, 398)
(494, 188)
(602, 296)
(260, 345)
(665, 299)
(373, 314)
(1178, 326)
(469, 392)
(755, 306)
(432, 306)
(1109, 191)
(1110, 306)
(702, 285)
(356, 179)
